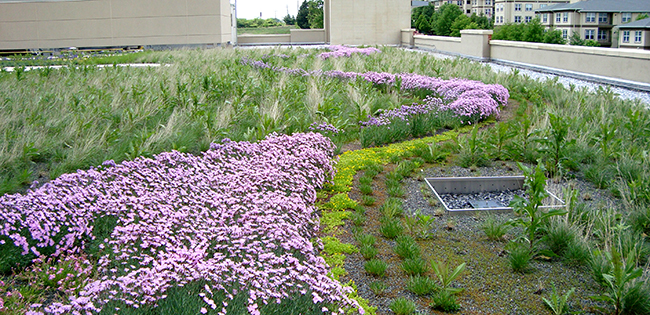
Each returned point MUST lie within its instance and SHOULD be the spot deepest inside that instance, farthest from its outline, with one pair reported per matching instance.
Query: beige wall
(88, 23)
(367, 22)
(626, 64)
(616, 63)
(315, 36)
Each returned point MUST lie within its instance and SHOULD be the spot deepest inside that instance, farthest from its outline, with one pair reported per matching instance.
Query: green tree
(554, 36)
(483, 22)
(576, 40)
(462, 22)
(445, 17)
(302, 19)
(289, 20)
(642, 16)
(423, 25)
(533, 31)
(315, 16)
(509, 31)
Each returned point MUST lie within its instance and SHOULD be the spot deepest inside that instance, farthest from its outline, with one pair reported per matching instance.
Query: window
(590, 18)
(468, 11)
(488, 2)
(475, 2)
(488, 11)
(602, 18)
(565, 17)
(469, 2)
(565, 34)
(529, 7)
(602, 34)
(544, 18)
(626, 36)
(459, 3)
(517, 19)
(626, 17)
(589, 34)
(518, 7)
(637, 36)
(543, 5)
(502, 19)
(558, 17)
(529, 19)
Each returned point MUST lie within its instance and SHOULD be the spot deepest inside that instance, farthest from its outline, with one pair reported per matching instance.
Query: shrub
(520, 258)
(495, 230)
(402, 306)
(406, 247)
(376, 267)
(391, 228)
(377, 287)
(368, 251)
(414, 266)
(445, 301)
(421, 285)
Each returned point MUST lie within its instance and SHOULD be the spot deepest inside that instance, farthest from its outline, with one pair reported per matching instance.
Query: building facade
(517, 11)
(593, 19)
(635, 35)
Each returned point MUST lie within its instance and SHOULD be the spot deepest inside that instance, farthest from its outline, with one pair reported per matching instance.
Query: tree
(642, 16)
(462, 22)
(315, 16)
(423, 25)
(445, 18)
(302, 19)
(509, 31)
(576, 40)
(289, 20)
(483, 22)
(421, 13)
(534, 31)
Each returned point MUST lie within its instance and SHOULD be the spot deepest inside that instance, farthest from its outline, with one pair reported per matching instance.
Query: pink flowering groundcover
(237, 221)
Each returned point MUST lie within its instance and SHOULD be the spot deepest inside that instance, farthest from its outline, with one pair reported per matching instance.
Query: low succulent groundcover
(239, 217)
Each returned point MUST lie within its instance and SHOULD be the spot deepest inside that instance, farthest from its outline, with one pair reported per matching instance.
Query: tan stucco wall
(367, 22)
(472, 43)
(263, 39)
(308, 36)
(88, 23)
(617, 63)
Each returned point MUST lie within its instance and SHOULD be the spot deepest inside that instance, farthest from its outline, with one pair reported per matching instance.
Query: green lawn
(267, 30)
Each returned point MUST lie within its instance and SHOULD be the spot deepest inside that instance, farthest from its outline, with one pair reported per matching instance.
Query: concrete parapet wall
(101, 23)
(308, 36)
(407, 37)
(623, 64)
(264, 39)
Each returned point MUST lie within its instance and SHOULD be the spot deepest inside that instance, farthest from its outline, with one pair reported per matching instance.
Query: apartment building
(593, 19)
(635, 35)
(469, 7)
(465, 5)
(518, 11)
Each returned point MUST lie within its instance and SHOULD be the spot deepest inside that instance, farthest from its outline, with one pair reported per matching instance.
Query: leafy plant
(357, 218)
(376, 267)
(421, 285)
(501, 135)
(392, 208)
(402, 306)
(368, 251)
(366, 239)
(531, 218)
(367, 200)
(559, 303)
(446, 276)
(419, 225)
(472, 152)
(556, 143)
(365, 189)
(626, 291)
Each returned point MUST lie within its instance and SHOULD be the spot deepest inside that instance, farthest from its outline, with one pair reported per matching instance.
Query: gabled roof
(415, 4)
(645, 23)
(633, 6)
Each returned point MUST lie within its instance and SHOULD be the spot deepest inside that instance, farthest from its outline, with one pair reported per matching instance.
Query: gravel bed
(491, 287)
(462, 201)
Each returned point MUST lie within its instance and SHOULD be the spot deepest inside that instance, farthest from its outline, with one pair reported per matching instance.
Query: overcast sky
(250, 9)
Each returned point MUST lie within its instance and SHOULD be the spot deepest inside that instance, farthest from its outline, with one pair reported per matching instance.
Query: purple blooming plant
(239, 217)
(337, 51)
(324, 127)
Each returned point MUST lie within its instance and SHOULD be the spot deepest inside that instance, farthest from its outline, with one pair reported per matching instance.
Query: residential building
(518, 11)
(465, 5)
(635, 35)
(593, 19)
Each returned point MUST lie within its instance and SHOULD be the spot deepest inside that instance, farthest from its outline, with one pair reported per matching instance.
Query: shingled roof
(645, 23)
(614, 6)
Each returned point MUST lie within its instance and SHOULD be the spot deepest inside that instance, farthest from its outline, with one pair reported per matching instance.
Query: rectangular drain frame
(471, 185)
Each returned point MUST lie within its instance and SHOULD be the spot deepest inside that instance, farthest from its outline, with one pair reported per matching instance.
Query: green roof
(613, 6)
